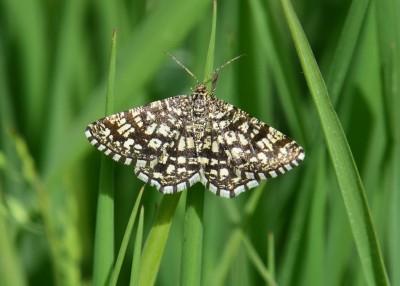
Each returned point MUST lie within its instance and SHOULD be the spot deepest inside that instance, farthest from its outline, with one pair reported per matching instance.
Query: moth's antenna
(207, 79)
(182, 66)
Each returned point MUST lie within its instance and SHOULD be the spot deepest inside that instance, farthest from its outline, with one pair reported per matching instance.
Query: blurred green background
(54, 58)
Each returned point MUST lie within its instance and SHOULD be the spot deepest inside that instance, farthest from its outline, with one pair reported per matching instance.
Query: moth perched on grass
(178, 141)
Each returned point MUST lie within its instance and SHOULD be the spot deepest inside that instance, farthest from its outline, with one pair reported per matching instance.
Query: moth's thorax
(199, 100)
(200, 111)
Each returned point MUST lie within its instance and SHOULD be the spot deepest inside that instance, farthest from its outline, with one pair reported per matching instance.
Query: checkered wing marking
(141, 136)
(177, 169)
(244, 151)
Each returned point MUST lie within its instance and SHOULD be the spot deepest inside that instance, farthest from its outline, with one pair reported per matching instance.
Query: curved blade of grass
(156, 240)
(104, 235)
(342, 159)
(338, 71)
(137, 251)
(192, 250)
(125, 239)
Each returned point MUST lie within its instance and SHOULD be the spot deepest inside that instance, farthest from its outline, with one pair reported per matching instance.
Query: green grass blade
(156, 240)
(137, 251)
(342, 159)
(104, 236)
(209, 68)
(125, 240)
(192, 251)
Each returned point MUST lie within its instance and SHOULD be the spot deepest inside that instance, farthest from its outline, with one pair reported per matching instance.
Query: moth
(178, 141)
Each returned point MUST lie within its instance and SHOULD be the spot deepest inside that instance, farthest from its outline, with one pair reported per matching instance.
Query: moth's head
(201, 88)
